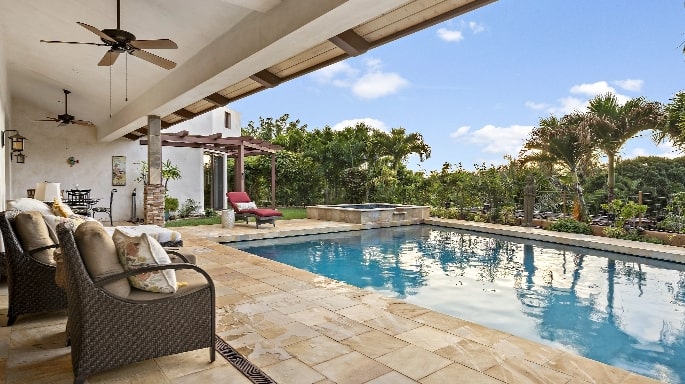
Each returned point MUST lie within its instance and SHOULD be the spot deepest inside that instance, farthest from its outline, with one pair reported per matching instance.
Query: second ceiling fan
(66, 118)
(121, 41)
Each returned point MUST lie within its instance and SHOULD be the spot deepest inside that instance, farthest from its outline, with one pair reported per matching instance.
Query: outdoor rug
(241, 363)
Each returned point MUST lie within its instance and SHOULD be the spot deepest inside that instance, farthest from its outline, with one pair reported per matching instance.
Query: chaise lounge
(245, 208)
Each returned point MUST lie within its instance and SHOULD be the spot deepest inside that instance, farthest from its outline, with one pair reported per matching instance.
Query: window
(227, 120)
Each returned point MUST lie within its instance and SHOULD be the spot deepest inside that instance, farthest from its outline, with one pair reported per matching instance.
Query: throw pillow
(61, 209)
(140, 251)
(246, 206)
(28, 204)
(99, 256)
(35, 236)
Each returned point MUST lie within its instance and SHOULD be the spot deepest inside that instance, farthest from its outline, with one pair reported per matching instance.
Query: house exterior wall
(49, 146)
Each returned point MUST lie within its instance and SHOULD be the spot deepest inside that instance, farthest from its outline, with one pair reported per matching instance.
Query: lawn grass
(288, 214)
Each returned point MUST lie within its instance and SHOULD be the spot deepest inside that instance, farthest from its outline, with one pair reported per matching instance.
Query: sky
(474, 86)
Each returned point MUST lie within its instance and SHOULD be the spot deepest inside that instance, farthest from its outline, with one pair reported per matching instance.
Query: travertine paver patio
(299, 327)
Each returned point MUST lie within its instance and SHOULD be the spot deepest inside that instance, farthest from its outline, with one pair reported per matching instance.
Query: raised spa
(374, 213)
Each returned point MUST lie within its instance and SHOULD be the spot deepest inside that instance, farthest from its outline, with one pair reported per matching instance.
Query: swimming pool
(617, 309)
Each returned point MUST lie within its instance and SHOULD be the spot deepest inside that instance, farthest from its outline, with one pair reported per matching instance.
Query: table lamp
(47, 191)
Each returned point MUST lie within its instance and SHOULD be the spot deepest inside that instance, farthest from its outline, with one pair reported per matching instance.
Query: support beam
(273, 181)
(239, 182)
(350, 42)
(184, 113)
(266, 78)
(154, 150)
(217, 99)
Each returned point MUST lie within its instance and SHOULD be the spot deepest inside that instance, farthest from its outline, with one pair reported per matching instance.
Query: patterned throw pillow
(140, 251)
(246, 206)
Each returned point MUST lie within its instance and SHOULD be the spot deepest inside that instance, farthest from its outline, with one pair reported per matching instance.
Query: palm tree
(673, 127)
(612, 124)
(562, 142)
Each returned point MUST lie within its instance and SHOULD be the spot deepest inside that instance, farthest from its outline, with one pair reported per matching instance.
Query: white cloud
(461, 131)
(536, 106)
(450, 35)
(593, 89)
(567, 105)
(371, 82)
(633, 85)
(500, 140)
(476, 27)
(378, 84)
(337, 74)
(375, 123)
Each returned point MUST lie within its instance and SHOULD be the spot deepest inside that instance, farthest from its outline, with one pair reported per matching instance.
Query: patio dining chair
(79, 201)
(107, 210)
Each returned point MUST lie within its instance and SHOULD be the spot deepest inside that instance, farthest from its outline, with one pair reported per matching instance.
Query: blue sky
(475, 86)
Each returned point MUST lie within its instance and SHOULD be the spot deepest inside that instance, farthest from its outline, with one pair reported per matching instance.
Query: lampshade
(17, 141)
(46, 191)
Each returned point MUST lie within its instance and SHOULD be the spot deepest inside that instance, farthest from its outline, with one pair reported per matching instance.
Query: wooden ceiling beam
(184, 113)
(217, 99)
(266, 78)
(352, 43)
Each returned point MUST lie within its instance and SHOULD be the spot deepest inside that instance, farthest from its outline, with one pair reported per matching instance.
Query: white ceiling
(39, 71)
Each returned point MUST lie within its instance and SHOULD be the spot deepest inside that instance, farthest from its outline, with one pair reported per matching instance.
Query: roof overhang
(230, 146)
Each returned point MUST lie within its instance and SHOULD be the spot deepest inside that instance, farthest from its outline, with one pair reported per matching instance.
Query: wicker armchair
(108, 331)
(30, 282)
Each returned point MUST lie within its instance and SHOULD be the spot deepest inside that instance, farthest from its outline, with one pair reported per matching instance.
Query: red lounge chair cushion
(264, 212)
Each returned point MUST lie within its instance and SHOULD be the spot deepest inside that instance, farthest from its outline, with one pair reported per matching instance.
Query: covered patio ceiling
(228, 49)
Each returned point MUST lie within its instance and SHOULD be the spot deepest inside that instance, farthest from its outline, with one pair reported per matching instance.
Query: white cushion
(246, 206)
(29, 204)
(139, 251)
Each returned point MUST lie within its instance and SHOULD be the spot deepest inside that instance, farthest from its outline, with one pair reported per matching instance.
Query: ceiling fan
(66, 118)
(121, 41)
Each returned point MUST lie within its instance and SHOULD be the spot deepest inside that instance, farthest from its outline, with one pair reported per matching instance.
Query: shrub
(571, 226)
(189, 208)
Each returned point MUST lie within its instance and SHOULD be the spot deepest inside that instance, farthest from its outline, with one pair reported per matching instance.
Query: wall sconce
(17, 145)
(17, 140)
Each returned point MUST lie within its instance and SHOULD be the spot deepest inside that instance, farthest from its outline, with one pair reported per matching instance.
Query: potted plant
(170, 205)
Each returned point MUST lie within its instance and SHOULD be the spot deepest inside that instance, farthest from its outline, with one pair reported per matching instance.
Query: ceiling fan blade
(83, 122)
(108, 59)
(96, 31)
(70, 42)
(154, 59)
(154, 44)
(48, 119)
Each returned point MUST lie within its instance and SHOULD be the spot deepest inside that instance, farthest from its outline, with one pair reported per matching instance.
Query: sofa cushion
(35, 236)
(28, 204)
(99, 255)
(139, 251)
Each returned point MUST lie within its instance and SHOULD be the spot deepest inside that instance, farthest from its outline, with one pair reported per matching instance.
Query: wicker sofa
(30, 280)
(111, 325)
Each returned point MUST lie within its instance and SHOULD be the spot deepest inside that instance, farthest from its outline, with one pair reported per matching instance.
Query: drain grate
(241, 363)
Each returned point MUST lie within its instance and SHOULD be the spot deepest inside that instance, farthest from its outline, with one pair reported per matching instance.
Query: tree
(612, 124)
(673, 127)
(564, 142)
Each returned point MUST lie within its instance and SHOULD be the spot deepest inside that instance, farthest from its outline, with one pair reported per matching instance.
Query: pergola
(233, 147)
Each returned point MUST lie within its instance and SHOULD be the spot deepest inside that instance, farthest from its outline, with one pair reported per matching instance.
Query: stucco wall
(49, 146)
(4, 121)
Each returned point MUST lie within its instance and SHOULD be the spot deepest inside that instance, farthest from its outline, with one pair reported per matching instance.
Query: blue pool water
(620, 310)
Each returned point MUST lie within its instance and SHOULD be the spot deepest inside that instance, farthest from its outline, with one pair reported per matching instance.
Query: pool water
(621, 310)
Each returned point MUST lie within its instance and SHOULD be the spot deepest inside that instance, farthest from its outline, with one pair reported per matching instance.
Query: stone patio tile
(391, 324)
(361, 312)
(341, 328)
(521, 371)
(440, 321)
(289, 334)
(465, 375)
(257, 288)
(392, 378)
(637, 379)
(519, 347)
(317, 350)
(406, 309)
(292, 371)
(314, 315)
(225, 373)
(352, 368)
(374, 343)
(471, 354)
(414, 362)
(337, 302)
(587, 369)
(264, 352)
(480, 334)
(186, 363)
(428, 338)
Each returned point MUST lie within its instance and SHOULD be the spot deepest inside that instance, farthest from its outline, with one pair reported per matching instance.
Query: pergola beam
(266, 78)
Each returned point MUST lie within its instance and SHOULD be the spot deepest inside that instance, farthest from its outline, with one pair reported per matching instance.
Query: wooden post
(639, 201)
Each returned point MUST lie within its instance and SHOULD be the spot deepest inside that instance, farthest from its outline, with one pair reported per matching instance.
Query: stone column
(528, 201)
(153, 196)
